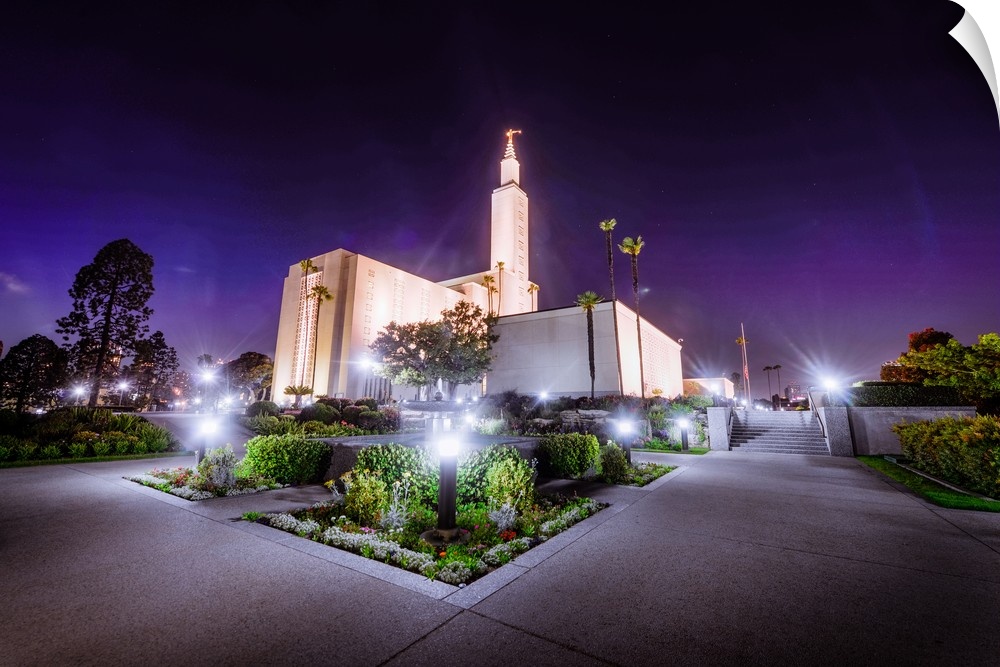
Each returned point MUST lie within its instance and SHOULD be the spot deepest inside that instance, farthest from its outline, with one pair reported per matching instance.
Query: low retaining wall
(871, 428)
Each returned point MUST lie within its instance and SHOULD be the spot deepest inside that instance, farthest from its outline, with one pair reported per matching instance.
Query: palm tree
(533, 291)
(587, 301)
(488, 281)
(631, 248)
(607, 226)
(781, 394)
(500, 288)
(321, 294)
(770, 396)
(307, 267)
(298, 391)
(742, 342)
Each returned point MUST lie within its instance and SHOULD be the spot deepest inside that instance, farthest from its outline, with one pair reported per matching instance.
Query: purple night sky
(829, 176)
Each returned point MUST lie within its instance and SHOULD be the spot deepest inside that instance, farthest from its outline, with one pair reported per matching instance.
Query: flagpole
(746, 366)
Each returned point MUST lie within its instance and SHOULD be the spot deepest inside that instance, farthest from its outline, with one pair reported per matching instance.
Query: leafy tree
(974, 370)
(32, 373)
(109, 310)
(152, 369)
(631, 247)
(465, 352)
(456, 349)
(588, 300)
(405, 352)
(251, 372)
(919, 341)
(607, 226)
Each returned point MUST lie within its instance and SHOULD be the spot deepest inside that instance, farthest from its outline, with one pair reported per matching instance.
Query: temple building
(324, 342)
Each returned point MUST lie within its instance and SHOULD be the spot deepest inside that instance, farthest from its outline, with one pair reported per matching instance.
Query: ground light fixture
(447, 531)
(207, 429)
(626, 430)
(685, 425)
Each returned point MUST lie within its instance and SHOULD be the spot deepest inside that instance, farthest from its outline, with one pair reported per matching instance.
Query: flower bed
(491, 538)
(186, 483)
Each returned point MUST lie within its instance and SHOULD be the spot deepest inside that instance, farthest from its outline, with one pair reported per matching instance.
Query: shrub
(569, 454)
(287, 459)
(896, 394)
(473, 472)
(511, 481)
(372, 420)
(78, 450)
(271, 425)
(369, 403)
(964, 451)
(351, 413)
(259, 408)
(396, 463)
(490, 426)
(614, 464)
(51, 452)
(26, 450)
(153, 438)
(118, 442)
(218, 468)
(101, 448)
(366, 497)
(318, 412)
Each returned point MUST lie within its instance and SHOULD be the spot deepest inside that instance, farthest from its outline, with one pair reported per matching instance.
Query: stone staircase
(793, 432)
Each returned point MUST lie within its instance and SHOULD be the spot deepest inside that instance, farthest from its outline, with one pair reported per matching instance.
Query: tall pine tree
(109, 311)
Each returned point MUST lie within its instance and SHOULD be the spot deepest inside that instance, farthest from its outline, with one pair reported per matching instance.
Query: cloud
(12, 284)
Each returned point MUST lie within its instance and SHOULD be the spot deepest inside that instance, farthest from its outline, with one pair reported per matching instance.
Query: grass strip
(929, 490)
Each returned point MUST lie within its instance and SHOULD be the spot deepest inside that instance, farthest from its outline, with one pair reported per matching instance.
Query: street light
(122, 386)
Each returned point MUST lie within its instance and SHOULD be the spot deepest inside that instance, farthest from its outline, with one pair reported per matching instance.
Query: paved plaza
(731, 559)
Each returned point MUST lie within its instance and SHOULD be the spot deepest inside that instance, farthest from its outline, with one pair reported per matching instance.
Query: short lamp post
(685, 426)
(122, 386)
(447, 531)
(207, 429)
(625, 430)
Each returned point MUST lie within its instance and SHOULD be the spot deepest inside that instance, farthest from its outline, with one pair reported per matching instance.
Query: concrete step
(781, 449)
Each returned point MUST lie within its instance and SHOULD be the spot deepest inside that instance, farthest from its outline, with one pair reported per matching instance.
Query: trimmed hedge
(288, 459)
(268, 408)
(569, 454)
(897, 394)
(392, 462)
(964, 451)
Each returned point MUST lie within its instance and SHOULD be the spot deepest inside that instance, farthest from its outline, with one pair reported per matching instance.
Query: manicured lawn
(928, 489)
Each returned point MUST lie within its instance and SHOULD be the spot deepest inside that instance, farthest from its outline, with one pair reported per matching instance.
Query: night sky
(828, 176)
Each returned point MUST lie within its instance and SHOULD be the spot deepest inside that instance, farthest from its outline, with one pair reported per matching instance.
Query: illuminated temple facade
(368, 295)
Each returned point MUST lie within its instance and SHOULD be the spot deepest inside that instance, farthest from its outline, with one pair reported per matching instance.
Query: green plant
(569, 454)
(318, 412)
(370, 403)
(929, 489)
(473, 472)
(26, 450)
(268, 408)
(366, 498)
(351, 413)
(964, 451)
(288, 459)
(51, 452)
(511, 481)
(218, 468)
(101, 448)
(77, 450)
(153, 438)
(396, 463)
(615, 468)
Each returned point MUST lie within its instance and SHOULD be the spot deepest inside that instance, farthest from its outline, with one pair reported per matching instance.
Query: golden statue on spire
(510, 135)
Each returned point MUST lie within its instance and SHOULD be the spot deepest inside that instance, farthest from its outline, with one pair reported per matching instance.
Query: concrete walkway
(732, 559)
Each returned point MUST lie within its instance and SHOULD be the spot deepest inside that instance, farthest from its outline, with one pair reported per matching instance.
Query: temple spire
(509, 152)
